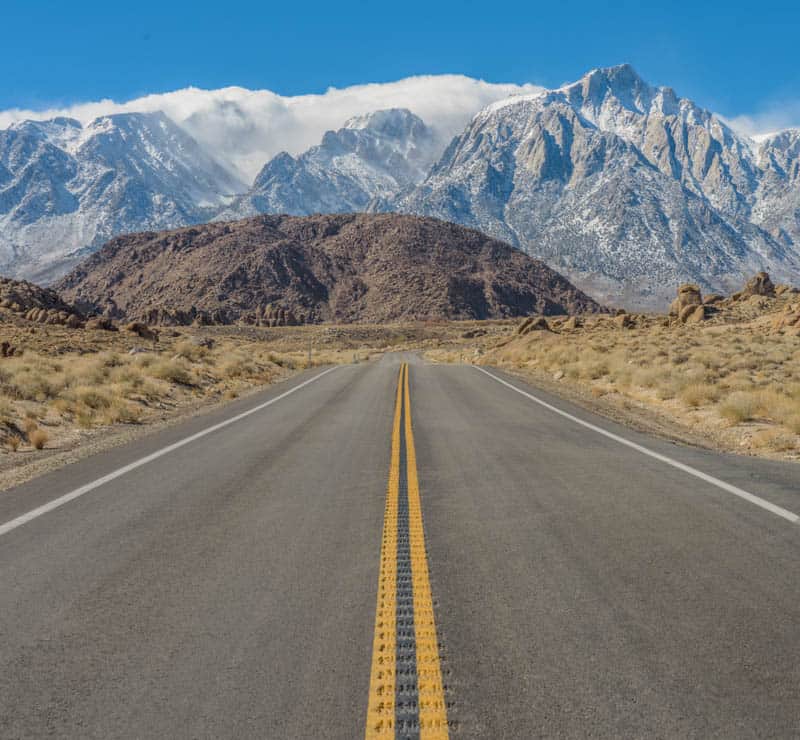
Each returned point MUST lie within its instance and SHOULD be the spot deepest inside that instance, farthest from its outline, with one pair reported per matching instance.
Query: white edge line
(67, 497)
(752, 498)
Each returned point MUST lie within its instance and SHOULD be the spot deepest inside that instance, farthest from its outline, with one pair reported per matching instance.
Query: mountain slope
(777, 202)
(345, 268)
(625, 188)
(371, 156)
(64, 187)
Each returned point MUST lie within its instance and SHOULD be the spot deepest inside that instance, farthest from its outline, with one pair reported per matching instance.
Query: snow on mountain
(66, 187)
(373, 156)
(626, 188)
(777, 204)
(245, 128)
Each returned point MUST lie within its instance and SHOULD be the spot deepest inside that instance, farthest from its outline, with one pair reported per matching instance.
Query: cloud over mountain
(246, 128)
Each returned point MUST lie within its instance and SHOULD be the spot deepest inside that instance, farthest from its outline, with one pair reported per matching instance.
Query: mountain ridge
(374, 155)
(608, 175)
(626, 187)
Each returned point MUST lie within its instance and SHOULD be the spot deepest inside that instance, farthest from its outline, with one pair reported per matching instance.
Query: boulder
(713, 299)
(101, 323)
(142, 331)
(537, 323)
(572, 323)
(688, 295)
(760, 284)
(694, 314)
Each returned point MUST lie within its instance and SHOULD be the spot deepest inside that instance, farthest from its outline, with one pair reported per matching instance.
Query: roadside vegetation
(735, 384)
(65, 391)
(731, 380)
(45, 397)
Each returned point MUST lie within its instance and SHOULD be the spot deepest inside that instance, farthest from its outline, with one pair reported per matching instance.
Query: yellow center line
(431, 704)
(380, 713)
(432, 708)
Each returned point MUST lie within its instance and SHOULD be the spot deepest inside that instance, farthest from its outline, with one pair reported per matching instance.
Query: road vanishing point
(398, 549)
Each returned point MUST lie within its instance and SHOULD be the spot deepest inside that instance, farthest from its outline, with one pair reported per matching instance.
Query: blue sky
(732, 57)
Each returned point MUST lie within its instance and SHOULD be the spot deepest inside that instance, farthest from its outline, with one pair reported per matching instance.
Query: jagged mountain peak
(621, 82)
(388, 121)
(373, 156)
(787, 139)
(621, 185)
(65, 186)
(60, 123)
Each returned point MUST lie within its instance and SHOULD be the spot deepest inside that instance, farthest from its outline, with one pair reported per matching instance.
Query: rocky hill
(344, 268)
(34, 303)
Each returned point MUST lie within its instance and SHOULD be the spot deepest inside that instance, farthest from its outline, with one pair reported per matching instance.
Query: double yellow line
(431, 708)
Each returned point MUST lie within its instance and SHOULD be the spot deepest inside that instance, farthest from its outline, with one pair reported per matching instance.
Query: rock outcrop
(37, 304)
(759, 284)
(689, 296)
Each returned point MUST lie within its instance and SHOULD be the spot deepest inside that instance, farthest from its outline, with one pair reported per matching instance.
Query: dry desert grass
(67, 392)
(48, 396)
(732, 381)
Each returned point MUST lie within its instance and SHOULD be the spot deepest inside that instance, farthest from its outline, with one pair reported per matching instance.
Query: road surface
(345, 556)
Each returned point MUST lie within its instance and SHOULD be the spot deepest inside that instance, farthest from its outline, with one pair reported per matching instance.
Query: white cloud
(775, 117)
(245, 128)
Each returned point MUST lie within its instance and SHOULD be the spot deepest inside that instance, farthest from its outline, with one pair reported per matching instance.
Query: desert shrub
(121, 412)
(129, 375)
(237, 368)
(39, 438)
(776, 405)
(698, 394)
(34, 386)
(171, 371)
(190, 351)
(6, 409)
(651, 377)
(93, 398)
(739, 406)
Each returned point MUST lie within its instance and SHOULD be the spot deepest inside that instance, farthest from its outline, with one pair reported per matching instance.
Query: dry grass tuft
(39, 438)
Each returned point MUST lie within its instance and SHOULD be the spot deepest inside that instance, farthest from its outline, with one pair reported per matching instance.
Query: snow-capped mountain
(372, 156)
(65, 187)
(777, 199)
(624, 187)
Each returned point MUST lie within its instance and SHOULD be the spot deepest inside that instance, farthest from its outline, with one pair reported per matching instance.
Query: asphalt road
(226, 586)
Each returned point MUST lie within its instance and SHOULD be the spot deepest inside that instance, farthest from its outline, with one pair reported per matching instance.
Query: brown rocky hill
(34, 303)
(340, 268)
